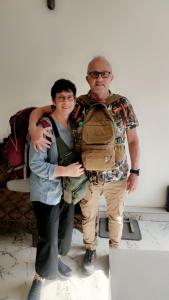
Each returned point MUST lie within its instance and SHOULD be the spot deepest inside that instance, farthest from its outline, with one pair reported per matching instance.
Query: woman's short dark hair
(62, 85)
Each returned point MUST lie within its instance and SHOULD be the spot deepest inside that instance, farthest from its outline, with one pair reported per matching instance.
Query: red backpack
(15, 153)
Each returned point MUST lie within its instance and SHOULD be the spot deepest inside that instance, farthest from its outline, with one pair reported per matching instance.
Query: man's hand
(132, 183)
(39, 138)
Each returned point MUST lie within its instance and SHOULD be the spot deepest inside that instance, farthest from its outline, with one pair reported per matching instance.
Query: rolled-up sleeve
(132, 120)
(40, 164)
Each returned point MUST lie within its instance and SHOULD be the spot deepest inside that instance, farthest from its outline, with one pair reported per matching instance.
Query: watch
(135, 171)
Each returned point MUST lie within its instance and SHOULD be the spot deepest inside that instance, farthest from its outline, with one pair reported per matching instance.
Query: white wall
(38, 46)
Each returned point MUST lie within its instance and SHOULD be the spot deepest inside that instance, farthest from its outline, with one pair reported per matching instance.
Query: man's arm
(134, 151)
(38, 135)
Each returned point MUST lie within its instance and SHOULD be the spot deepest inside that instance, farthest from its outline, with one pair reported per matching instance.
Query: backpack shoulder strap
(85, 100)
(96, 107)
(54, 126)
(57, 135)
(89, 115)
(112, 98)
(66, 156)
(82, 104)
(60, 142)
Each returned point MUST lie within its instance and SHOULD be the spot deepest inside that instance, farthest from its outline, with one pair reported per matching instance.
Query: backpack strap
(54, 126)
(87, 103)
(86, 99)
(112, 98)
(95, 107)
(66, 156)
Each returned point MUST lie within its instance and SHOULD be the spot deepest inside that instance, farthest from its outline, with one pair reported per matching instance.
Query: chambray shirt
(44, 185)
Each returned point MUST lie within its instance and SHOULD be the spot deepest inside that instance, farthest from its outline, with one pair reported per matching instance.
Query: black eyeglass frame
(96, 74)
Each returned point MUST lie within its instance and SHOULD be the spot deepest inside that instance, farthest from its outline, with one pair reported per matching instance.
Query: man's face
(99, 76)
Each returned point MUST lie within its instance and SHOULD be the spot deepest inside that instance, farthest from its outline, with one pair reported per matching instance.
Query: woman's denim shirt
(44, 185)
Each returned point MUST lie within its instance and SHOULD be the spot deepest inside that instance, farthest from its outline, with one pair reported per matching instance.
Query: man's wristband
(135, 171)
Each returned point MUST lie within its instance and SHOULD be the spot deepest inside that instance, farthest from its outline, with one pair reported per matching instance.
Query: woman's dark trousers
(55, 227)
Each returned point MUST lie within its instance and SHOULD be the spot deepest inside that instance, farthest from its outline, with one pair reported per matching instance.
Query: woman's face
(64, 102)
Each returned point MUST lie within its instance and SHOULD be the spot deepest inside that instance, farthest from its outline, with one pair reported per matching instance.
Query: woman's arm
(39, 165)
(38, 135)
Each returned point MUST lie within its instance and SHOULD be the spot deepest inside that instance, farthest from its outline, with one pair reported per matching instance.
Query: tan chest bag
(99, 150)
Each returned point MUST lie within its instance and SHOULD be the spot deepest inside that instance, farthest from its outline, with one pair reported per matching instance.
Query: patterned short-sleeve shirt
(124, 120)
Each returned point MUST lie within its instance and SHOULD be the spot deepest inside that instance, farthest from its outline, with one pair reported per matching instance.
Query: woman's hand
(74, 170)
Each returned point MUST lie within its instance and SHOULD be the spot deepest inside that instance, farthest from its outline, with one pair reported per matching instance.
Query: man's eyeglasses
(62, 99)
(96, 74)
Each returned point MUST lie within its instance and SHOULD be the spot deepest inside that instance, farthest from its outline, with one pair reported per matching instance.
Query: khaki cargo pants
(114, 193)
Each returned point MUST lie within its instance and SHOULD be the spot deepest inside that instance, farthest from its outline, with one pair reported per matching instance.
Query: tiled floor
(17, 264)
(17, 270)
